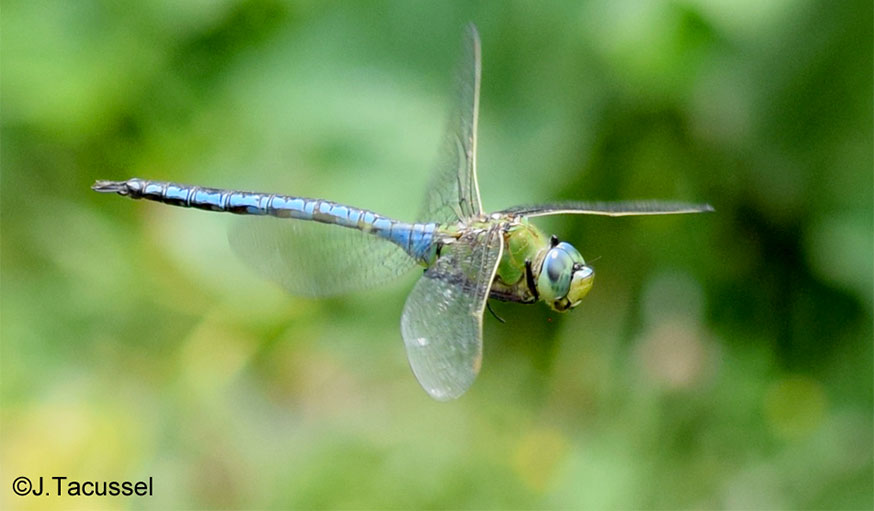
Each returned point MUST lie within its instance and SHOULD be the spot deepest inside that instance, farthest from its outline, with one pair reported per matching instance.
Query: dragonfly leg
(489, 307)
(529, 279)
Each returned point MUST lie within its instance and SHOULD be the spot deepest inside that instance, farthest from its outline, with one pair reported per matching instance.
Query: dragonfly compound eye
(554, 280)
(564, 277)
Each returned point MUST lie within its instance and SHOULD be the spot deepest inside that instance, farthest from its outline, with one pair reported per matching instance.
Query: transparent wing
(314, 259)
(453, 193)
(443, 317)
(624, 208)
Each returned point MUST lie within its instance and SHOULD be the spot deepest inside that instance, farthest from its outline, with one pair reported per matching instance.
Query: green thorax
(522, 242)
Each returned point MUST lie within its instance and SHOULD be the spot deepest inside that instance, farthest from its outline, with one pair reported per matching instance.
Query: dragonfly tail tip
(104, 186)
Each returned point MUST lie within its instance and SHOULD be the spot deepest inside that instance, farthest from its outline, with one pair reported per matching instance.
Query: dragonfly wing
(443, 317)
(314, 259)
(624, 208)
(453, 193)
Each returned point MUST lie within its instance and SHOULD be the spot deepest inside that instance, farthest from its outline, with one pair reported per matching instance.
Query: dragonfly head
(564, 278)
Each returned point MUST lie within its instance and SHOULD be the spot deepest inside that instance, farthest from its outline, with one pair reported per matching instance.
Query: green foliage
(721, 360)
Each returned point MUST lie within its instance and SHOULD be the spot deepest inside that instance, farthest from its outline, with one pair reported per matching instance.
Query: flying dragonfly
(468, 255)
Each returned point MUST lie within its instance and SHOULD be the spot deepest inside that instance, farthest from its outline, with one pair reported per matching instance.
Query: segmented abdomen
(415, 239)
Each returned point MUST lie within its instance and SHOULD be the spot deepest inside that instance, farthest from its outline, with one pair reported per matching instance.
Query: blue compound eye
(555, 274)
(564, 277)
(571, 251)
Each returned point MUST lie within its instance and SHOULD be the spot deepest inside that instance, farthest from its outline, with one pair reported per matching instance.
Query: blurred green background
(722, 360)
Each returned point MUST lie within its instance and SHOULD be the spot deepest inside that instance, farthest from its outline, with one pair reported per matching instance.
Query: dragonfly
(316, 247)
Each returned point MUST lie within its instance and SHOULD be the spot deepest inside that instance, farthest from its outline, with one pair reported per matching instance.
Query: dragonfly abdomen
(415, 239)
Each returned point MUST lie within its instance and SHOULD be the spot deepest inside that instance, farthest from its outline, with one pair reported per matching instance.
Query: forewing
(314, 259)
(453, 193)
(443, 317)
(623, 208)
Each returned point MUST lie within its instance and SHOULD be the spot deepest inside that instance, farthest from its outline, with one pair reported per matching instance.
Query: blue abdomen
(416, 239)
